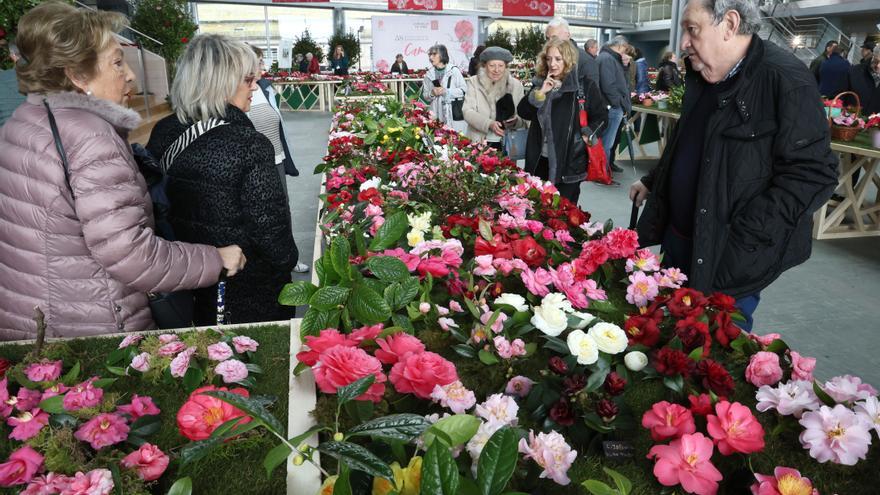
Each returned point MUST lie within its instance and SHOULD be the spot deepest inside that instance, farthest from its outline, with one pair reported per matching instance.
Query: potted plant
(873, 125)
(847, 126)
(646, 99)
(662, 99)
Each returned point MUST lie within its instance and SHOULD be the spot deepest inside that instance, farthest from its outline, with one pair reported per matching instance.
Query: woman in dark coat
(556, 146)
(668, 76)
(224, 184)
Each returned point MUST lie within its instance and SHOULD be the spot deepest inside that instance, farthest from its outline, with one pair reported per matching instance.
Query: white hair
(208, 74)
(750, 16)
(618, 40)
(559, 22)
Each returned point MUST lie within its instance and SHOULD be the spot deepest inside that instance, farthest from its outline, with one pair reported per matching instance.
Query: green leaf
(193, 378)
(394, 427)
(330, 297)
(358, 236)
(624, 485)
(531, 348)
(340, 250)
(822, 395)
(359, 410)
(439, 471)
(464, 350)
(251, 407)
(485, 229)
(53, 405)
(321, 272)
(459, 428)
(598, 376)
(696, 354)
(299, 368)
(314, 321)
(595, 422)
(358, 458)
(777, 346)
(296, 293)
(387, 268)
(297, 440)
(354, 389)
(72, 375)
(674, 383)
(104, 382)
(275, 458)
(116, 370)
(487, 357)
(497, 462)
(146, 426)
(342, 486)
(597, 487)
(556, 344)
(183, 486)
(368, 307)
(602, 306)
(399, 294)
(389, 233)
(403, 322)
(117, 480)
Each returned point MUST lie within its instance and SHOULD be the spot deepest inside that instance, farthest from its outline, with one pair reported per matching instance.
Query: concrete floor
(824, 308)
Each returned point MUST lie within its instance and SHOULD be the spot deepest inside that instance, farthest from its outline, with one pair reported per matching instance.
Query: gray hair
(618, 40)
(591, 43)
(208, 74)
(559, 22)
(750, 16)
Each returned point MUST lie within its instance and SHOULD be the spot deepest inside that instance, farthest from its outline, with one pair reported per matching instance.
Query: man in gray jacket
(615, 88)
(592, 66)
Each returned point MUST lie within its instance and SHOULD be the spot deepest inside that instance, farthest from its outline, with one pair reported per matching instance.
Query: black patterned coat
(224, 189)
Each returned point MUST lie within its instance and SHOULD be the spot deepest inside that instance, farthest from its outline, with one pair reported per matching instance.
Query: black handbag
(457, 104)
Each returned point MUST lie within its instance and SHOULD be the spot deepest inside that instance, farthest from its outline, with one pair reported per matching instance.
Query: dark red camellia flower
(574, 384)
(693, 333)
(641, 330)
(497, 247)
(558, 366)
(557, 224)
(671, 362)
(562, 413)
(496, 289)
(701, 405)
(528, 250)
(5, 364)
(488, 162)
(686, 302)
(372, 195)
(340, 198)
(714, 377)
(614, 383)
(576, 217)
(607, 410)
(725, 330)
(547, 200)
(722, 302)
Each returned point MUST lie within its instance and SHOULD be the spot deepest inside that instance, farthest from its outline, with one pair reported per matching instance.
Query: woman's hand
(439, 91)
(497, 128)
(233, 259)
(548, 85)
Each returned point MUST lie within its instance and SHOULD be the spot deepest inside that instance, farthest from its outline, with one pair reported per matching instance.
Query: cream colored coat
(479, 102)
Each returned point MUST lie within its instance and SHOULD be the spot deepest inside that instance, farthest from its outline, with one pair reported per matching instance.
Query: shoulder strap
(186, 139)
(582, 99)
(58, 146)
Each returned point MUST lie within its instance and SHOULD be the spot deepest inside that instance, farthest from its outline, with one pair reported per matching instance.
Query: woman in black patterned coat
(224, 185)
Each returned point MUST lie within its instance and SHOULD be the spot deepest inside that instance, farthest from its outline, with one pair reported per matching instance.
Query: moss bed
(234, 468)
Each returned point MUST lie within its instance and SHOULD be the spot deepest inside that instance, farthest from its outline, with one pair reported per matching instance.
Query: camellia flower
(21, 467)
(478, 441)
(667, 420)
(95, 482)
(498, 408)
(516, 301)
(232, 371)
(686, 302)
(454, 396)
(785, 481)
(641, 330)
(802, 367)
(171, 348)
(635, 360)
(219, 351)
(27, 399)
(166, 338)
(549, 451)
(44, 371)
(201, 414)
(687, 462)
(395, 346)
(621, 243)
(701, 405)
(735, 429)
(789, 399)
(56, 389)
(551, 317)
(244, 344)
(519, 386)
(141, 362)
(27, 424)
(420, 373)
(848, 388)
(180, 363)
(49, 484)
(103, 430)
(130, 340)
(835, 434)
(139, 407)
(610, 338)
(764, 369)
(341, 365)
(641, 290)
(149, 462)
(671, 362)
(583, 346)
(869, 409)
(644, 260)
(326, 339)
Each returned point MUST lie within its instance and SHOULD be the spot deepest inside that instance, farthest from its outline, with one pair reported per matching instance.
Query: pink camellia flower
(5, 407)
(445, 324)
(641, 290)
(139, 407)
(687, 462)
(219, 351)
(50, 484)
(454, 396)
(667, 420)
(27, 424)
(141, 362)
(27, 399)
(537, 281)
(519, 386)
(341, 365)
(789, 399)
(359, 335)
(326, 339)
(802, 367)
(621, 243)
(52, 391)
(498, 409)
(395, 346)
(643, 260)
(131, 340)
(765, 340)
(180, 363)
(232, 370)
(148, 461)
(419, 373)
(44, 371)
(549, 451)
(764, 369)
(103, 430)
(848, 388)
(201, 414)
(171, 348)
(167, 338)
(735, 429)
(21, 467)
(95, 482)
(785, 481)
(869, 410)
(835, 434)
(484, 267)
(455, 306)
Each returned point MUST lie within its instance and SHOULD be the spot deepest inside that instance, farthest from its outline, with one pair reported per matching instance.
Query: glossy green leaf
(487, 357)
(251, 407)
(183, 486)
(399, 294)
(459, 428)
(71, 376)
(53, 405)
(395, 427)
(104, 382)
(387, 268)
(296, 293)
(497, 462)
(146, 426)
(597, 487)
(624, 485)
(696, 354)
(354, 389)
(340, 251)
(342, 486)
(275, 458)
(674, 383)
(302, 437)
(390, 232)
(439, 471)
(777, 346)
(330, 297)
(368, 307)
(193, 378)
(357, 457)
(823, 395)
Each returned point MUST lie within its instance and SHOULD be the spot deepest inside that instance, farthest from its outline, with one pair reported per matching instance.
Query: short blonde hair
(55, 36)
(566, 49)
(208, 74)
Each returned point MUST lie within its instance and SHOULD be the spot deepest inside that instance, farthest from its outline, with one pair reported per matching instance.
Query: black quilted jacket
(224, 189)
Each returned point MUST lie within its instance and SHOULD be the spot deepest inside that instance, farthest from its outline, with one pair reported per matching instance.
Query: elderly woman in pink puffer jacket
(80, 245)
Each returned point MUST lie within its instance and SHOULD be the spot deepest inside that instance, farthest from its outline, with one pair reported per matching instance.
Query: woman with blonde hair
(491, 99)
(77, 238)
(556, 145)
(222, 181)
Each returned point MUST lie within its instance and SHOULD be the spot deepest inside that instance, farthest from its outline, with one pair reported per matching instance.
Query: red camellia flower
(614, 383)
(340, 366)
(372, 195)
(576, 217)
(573, 384)
(722, 302)
(593, 255)
(701, 405)
(418, 373)
(671, 362)
(714, 377)
(607, 410)
(557, 224)
(686, 302)
(558, 366)
(528, 250)
(725, 330)
(184, 40)
(201, 414)
(562, 413)
(693, 333)
(642, 330)
(497, 247)
(621, 243)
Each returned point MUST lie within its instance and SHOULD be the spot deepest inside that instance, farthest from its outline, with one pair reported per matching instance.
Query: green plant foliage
(168, 21)
(304, 43)
(10, 12)
(500, 38)
(529, 42)
(350, 44)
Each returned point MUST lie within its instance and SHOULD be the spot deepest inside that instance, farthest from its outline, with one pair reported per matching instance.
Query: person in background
(591, 47)
(817, 62)
(558, 27)
(399, 66)
(556, 147)
(303, 63)
(492, 83)
(339, 62)
(267, 120)
(474, 64)
(833, 74)
(867, 52)
(733, 195)
(10, 98)
(864, 80)
(615, 89)
(224, 186)
(442, 84)
(668, 76)
(313, 67)
(642, 83)
(77, 239)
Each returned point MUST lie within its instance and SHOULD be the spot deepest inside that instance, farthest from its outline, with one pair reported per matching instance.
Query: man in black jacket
(732, 197)
(864, 80)
(558, 28)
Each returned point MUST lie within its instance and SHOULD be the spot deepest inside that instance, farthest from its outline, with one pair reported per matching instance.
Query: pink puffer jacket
(87, 263)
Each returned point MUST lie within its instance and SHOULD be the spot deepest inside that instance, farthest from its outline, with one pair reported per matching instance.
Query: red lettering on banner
(411, 51)
(415, 4)
(531, 8)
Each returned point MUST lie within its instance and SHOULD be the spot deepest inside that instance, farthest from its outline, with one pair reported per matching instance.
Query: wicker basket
(841, 133)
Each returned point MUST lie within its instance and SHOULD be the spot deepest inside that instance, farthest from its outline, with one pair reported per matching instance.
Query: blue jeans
(747, 306)
(615, 117)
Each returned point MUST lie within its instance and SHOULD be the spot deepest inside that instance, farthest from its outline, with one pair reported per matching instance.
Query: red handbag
(597, 163)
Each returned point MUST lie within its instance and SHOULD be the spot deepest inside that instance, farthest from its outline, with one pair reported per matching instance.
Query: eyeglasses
(249, 79)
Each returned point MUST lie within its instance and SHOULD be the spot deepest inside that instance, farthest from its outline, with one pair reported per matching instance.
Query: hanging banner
(415, 4)
(412, 35)
(285, 55)
(527, 8)
(298, 1)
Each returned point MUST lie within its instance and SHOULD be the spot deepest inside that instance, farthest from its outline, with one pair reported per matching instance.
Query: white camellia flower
(517, 301)
(415, 237)
(551, 317)
(420, 222)
(374, 182)
(557, 300)
(635, 360)
(585, 319)
(610, 337)
(583, 346)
